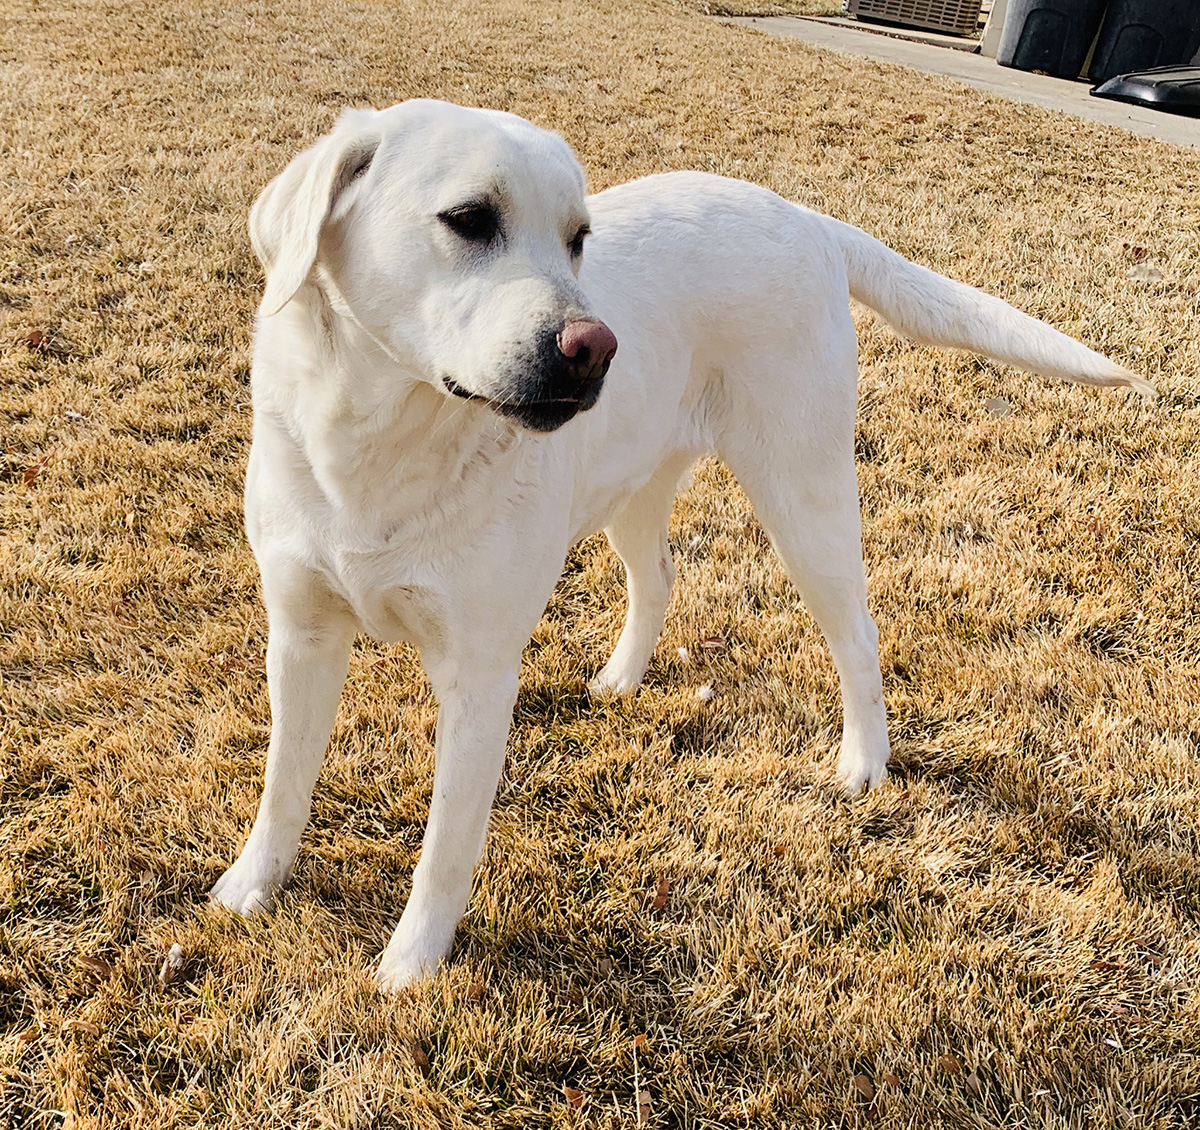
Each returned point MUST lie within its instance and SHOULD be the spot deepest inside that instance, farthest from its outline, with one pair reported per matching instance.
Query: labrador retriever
(463, 365)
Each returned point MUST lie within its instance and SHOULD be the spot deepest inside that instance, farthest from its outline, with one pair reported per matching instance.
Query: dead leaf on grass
(81, 1026)
(890, 1079)
(643, 1108)
(97, 965)
(475, 991)
(606, 966)
(974, 1085)
(30, 1034)
(172, 966)
(35, 339)
(660, 896)
(573, 1097)
(949, 1063)
(420, 1059)
(864, 1086)
(639, 1040)
(35, 469)
(713, 643)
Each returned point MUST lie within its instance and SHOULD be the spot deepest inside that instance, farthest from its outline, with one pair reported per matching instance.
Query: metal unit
(958, 17)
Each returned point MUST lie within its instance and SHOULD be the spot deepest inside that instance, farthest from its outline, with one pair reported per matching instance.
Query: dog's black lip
(453, 387)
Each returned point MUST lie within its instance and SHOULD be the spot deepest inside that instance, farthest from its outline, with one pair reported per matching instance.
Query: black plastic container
(1049, 35)
(1139, 34)
(1174, 89)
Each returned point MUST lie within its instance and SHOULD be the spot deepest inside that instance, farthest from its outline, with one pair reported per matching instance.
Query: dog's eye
(477, 223)
(576, 244)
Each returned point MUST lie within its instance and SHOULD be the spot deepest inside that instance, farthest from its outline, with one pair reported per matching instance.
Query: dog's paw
(615, 681)
(415, 951)
(402, 966)
(245, 889)
(858, 773)
(396, 976)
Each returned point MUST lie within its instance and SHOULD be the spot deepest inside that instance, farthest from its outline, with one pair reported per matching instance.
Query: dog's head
(453, 238)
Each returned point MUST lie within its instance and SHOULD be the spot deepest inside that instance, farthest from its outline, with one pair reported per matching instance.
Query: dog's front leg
(472, 728)
(307, 656)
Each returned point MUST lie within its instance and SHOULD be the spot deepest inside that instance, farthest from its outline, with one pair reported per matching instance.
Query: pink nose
(589, 345)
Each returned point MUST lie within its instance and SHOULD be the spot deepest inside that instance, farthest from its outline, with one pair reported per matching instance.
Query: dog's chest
(392, 599)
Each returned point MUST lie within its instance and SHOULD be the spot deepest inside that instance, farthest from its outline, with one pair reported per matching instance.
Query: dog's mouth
(540, 414)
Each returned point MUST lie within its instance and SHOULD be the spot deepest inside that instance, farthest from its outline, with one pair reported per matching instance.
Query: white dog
(431, 434)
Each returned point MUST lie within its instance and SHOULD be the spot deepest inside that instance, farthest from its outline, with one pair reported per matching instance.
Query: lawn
(1006, 934)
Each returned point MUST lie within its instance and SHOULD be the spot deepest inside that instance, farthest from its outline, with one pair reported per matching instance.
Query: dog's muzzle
(564, 379)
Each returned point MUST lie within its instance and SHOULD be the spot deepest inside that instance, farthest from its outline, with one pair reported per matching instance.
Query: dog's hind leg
(639, 537)
(797, 467)
(307, 656)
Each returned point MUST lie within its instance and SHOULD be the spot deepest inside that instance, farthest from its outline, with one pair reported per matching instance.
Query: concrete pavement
(983, 74)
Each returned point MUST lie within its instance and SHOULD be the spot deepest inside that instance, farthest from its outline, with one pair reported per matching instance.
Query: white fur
(376, 501)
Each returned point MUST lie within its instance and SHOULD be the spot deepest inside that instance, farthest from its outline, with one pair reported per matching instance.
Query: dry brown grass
(1007, 935)
(766, 7)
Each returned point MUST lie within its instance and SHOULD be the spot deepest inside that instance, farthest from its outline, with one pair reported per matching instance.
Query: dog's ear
(287, 218)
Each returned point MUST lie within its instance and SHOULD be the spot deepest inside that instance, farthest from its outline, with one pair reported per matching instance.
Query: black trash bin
(1049, 35)
(1139, 34)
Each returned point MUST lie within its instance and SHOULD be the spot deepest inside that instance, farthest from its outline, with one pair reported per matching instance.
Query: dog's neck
(386, 449)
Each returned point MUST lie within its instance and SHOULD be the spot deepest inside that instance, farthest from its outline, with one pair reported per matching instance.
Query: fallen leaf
(30, 1034)
(420, 1059)
(713, 643)
(999, 407)
(475, 991)
(779, 851)
(643, 1108)
(606, 966)
(974, 1085)
(35, 469)
(890, 1079)
(172, 966)
(1096, 528)
(949, 1063)
(1106, 966)
(574, 1097)
(97, 965)
(660, 896)
(35, 339)
(639, 1040)
(81, 1026)
(864, 1086)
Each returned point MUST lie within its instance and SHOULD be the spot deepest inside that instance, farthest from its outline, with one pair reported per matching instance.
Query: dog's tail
(934, 310)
